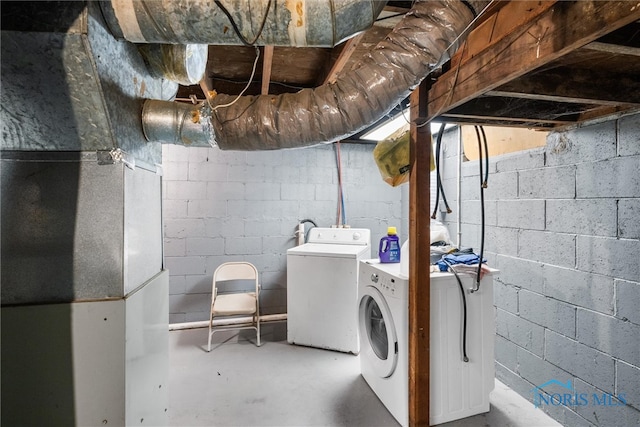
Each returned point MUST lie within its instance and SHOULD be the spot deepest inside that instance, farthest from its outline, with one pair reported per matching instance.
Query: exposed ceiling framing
(289, 69)
(544, 65)
(533, 64)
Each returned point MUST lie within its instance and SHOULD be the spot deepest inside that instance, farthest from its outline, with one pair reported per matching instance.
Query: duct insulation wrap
(314, 23)
(184, 64)
(359, 98)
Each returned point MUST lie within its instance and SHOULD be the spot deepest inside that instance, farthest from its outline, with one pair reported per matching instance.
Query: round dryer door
(378, 340)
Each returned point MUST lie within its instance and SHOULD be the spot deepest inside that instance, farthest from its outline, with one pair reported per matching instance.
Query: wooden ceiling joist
(547, 36)
(575, 85)
(613, 48)
(345, 55)
(548, 52)
(267, 61)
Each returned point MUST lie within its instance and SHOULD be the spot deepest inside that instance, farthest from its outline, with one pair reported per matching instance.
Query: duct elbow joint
(177, 123)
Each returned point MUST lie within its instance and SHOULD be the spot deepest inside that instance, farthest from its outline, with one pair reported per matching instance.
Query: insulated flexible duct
(330, 112)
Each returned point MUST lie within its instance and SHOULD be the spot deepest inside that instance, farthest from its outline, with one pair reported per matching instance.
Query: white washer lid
(326, 250)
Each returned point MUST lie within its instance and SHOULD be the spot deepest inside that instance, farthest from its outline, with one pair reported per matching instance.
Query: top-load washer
(322, 288)
(458, 389)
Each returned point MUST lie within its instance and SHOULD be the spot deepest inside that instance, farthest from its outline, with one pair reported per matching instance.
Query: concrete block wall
(563, 226)
(221, 206)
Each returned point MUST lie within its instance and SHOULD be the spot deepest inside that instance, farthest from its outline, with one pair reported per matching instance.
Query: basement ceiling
(533, 64)
(289, 69)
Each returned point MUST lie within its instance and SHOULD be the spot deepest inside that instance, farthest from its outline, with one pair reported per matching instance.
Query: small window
(501, 140)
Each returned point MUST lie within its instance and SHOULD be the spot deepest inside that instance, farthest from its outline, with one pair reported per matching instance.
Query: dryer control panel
(340, 236)
(385, 278)
(386, 284)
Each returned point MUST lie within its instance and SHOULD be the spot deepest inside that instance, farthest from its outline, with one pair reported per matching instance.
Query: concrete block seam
(575, 252)
(615, 376)
(600, 350)
(594, 386)
(596, 352)
(575, 182)
(615, 301)
(580, 271)
(543, 357)
(619, 364)
(575, 321)
(575, 238)
(620, 296)
(617, 209)
(525, 156)
(617, 136)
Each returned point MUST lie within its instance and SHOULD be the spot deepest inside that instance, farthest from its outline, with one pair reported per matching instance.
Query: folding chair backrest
(235, 271)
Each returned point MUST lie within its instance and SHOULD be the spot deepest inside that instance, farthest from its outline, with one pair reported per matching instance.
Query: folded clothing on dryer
(453, 259)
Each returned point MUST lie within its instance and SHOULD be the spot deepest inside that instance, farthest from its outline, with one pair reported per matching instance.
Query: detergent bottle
(389, 249)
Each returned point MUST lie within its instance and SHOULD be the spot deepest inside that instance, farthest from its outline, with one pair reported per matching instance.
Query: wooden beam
(519, 109)
(480, 119)
(501, 18)
(613, 48)
(529, 47)
(267, 60)
(594, 115)
(348, 49)
(419, 251)
(504, 123)
(205, 85)
(575, 85)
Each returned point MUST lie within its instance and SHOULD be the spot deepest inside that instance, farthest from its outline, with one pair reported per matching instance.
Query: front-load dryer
(458, 389)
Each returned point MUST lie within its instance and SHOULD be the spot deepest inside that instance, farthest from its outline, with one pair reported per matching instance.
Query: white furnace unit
(322, 288)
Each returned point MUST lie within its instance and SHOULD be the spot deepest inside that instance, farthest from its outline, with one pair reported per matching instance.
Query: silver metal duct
(69, 85)
(184, 64)
(332, 111)
(288, 22)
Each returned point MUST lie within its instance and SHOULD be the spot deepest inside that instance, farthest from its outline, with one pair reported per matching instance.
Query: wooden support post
(419, 253)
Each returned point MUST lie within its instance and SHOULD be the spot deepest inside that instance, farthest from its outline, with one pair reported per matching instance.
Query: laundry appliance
(322, 288)
(458, 389)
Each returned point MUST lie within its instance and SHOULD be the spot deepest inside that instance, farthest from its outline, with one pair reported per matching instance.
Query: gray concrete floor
(277, 384)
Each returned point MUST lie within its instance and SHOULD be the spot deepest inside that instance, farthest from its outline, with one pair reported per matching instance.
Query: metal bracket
(116, 156)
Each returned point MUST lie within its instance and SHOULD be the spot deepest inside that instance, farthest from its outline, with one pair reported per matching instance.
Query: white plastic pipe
(227, 322)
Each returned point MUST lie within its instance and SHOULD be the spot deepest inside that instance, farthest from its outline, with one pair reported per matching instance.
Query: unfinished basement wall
(563, 227)
(221, 206)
